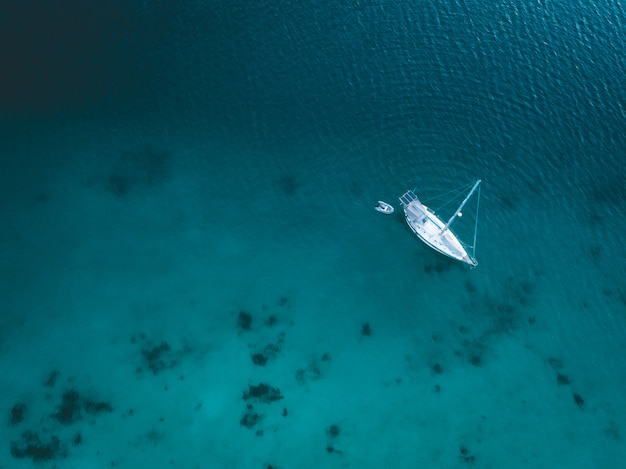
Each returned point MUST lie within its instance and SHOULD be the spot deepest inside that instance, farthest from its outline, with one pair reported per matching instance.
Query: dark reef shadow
(146, 166)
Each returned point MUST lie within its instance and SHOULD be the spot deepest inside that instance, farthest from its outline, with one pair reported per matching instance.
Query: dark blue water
(166, 166)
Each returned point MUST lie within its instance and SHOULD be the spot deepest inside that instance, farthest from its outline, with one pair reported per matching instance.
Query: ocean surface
(192, 273)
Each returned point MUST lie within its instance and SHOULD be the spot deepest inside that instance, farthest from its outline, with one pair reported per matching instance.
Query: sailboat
(436, 233)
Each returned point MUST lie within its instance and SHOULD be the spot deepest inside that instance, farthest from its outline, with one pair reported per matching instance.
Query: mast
(453, 217)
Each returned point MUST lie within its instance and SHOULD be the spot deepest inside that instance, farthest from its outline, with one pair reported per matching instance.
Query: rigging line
(476, 224)
(460, 192)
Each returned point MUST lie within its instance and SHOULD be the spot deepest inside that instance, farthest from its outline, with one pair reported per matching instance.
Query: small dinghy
(384, 207)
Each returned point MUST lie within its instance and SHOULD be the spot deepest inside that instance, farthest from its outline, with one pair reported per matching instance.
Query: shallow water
(229, 160)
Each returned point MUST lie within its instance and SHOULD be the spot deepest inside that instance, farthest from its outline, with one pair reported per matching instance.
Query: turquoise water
(186, 198)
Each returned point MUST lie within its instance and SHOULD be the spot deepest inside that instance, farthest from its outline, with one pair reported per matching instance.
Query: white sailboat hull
(432, 231)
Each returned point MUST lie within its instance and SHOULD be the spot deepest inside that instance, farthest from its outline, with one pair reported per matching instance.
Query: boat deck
(428, 227)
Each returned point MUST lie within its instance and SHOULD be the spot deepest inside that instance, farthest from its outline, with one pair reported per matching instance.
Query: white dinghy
(433, 231)
(384, 207)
